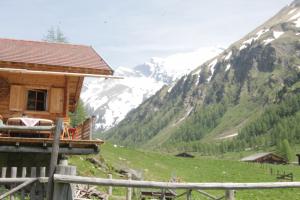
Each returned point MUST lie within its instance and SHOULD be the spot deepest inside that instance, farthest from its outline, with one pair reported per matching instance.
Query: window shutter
(17, 98)
(56, 100)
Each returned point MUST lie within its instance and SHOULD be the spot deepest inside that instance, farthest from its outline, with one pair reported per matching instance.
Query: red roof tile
(53, 54)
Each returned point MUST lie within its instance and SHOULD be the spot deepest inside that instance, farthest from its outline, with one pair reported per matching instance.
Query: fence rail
(64, 180)
(168, 185)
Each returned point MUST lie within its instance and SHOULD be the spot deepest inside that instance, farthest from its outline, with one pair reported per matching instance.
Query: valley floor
(161, 167)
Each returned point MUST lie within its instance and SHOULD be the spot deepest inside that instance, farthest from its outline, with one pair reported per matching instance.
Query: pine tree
(55, 35)
(79, 115)
(286, 150)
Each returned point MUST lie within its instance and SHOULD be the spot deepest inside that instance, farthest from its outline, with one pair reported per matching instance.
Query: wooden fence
(62, 177)
(35, 183)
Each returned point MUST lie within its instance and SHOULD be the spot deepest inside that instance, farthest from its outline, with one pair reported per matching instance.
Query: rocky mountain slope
(223, 95)
(111, 100)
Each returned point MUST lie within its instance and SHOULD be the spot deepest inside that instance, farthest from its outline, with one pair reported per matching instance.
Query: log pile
(86, 192)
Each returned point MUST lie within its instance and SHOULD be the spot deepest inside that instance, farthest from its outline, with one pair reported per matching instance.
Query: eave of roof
(36, 55)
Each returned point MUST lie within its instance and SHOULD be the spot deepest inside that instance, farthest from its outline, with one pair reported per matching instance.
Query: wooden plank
(12, 191)
(26, 71)
(54, 157)
(26, 128)
(62, 150)
(167, 185)
(13, 180)
(48, 140)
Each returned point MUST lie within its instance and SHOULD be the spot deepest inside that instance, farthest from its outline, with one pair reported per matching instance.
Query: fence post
(129, 189)
(189, 195)
(13, 175)
(109, 187)
(64, 191)
(229, 195)
(24, 173)
(3, 173)
(33, 194)
(54, 157)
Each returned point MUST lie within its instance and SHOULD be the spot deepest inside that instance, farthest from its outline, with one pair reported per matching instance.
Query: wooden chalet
(270, 158)
(40, 82)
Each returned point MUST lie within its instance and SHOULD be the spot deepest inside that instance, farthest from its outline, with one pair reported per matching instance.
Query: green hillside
(225, 96)
(162, 167)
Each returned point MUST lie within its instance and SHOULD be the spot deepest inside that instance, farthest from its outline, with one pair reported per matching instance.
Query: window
(37, 100)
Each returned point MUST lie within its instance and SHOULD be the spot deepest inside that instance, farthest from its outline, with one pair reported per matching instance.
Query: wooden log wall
(71, 85)
(84, 130)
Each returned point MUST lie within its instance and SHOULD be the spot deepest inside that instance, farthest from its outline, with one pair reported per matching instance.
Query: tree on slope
(286, 150)
(55, 35)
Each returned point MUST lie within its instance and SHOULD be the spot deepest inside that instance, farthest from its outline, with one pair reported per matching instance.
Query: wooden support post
(110, 189)
(129, 189)
(13, 175)
(3, 172)
(229, 195)
(54, 157)
(33, 195)
(24, 173)
(189, 195)
(64, 191)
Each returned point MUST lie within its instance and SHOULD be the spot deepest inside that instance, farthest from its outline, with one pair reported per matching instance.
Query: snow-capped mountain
(173, 67)
(110, 99)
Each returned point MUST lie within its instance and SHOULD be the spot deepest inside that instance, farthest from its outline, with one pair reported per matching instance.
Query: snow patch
(252, 39)
(267, 41)
(228, 55)
(171, 87)
(228, 67)
(212, 66)
(292, 11)
(277, 34)
(297, 23)
(261, 32)
(243, 47)
(184, 117)
(296, 16)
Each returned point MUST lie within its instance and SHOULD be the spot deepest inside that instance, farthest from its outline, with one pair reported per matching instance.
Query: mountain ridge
(224, 93)
(111, 100)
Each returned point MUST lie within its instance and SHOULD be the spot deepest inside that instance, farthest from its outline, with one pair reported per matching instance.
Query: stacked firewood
(86, 192)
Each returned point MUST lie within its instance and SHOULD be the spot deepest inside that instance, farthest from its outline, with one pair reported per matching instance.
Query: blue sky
(128, 32)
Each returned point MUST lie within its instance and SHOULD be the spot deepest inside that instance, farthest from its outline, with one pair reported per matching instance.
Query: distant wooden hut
(185, 155)
(265, 158)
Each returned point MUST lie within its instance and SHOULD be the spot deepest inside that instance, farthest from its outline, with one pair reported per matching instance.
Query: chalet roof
(57, 56)
(255, 156)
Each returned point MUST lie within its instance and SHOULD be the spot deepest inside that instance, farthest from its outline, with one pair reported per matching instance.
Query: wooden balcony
(39, 139)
